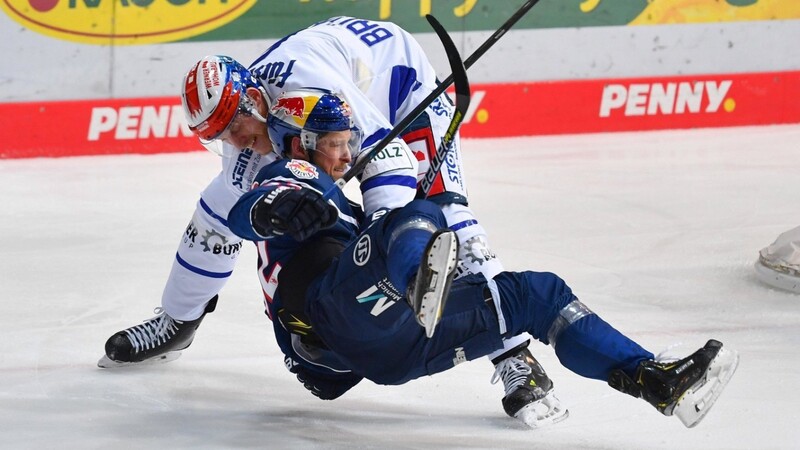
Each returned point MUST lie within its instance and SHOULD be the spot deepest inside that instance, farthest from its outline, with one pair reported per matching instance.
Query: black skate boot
(686, 388)
(159, 339)
(529, 393)
(427, 291)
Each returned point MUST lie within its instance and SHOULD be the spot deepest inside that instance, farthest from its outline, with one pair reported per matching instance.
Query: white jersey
(383, 73)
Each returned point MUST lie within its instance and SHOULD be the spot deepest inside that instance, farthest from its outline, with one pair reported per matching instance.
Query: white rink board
(43, 68)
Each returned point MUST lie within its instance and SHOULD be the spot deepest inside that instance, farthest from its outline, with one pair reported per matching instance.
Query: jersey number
(370, 33)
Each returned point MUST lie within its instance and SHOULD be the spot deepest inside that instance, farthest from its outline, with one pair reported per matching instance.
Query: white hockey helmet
(214, 91)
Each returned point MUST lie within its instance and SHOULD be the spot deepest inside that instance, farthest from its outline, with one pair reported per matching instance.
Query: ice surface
(657, 232)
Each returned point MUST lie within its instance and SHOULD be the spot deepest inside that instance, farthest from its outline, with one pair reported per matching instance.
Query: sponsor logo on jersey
(125, 22)
(362, 251)
(394, 151)
(276, 72)
(649, 99)
(302, 169)
(451, 161)
(384, 294)
(217, 244)
(440, 108)
(190, 234)
(393, 157)
(239, 169)
(478, 251)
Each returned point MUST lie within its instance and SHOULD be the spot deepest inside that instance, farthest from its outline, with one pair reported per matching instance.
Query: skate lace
(514, 373)
(153, 332)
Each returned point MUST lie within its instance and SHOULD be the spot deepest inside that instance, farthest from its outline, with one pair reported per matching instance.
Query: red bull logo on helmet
(295, 108)
(290, 106)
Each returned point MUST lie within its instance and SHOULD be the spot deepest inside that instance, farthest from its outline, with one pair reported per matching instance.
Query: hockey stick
(358, 167)
(463, 97)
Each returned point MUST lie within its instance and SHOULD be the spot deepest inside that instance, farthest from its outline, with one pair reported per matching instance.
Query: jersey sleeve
(389, 179)
(208, 250)
(290, 174)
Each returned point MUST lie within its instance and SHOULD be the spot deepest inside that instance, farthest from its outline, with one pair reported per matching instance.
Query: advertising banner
(155, 125)
(98, 127)
(637, 104)
(137, 22)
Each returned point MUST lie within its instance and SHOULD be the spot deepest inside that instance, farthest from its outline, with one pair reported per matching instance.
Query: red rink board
(94, 127)
(156, 125)
(633, 104)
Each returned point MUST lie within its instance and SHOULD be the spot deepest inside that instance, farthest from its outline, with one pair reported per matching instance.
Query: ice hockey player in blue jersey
(354, 305)
(384, 74)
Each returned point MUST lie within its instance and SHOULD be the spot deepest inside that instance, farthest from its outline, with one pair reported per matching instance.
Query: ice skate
(428, 290)
(529, 394)
(686, 388)
(157, 340)
(777, 275)
(778, 264)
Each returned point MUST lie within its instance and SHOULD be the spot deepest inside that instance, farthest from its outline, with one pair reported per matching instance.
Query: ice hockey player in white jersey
(383, 74)
(778, 264)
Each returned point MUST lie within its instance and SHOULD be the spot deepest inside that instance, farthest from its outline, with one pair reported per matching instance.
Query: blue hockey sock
(592, 348)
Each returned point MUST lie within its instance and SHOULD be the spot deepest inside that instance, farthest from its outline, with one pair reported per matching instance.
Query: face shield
(246, 108)
(333, 144)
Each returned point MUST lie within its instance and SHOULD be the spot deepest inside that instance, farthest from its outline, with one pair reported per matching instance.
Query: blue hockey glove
(326, 387)
(299, 213)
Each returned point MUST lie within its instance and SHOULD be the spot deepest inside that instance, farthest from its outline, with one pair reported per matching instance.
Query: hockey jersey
(383, 73)
(276, 251)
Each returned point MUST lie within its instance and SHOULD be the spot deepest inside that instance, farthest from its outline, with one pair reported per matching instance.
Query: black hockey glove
(326, 387)
(299, 213)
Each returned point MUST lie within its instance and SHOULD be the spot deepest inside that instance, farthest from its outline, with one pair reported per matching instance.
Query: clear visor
(216, 146)
(344, 144)
(247, 107)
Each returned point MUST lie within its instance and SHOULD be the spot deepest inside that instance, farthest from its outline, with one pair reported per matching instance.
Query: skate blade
(106, 363)
(698, 400)
(441, 260)
(542, 413)
(776, 279)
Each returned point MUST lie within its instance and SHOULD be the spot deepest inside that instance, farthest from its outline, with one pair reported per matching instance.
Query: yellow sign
(124, 22)
(697, 11)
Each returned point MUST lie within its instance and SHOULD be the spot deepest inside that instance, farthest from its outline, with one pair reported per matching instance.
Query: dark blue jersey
(275, 251)
(358, 310)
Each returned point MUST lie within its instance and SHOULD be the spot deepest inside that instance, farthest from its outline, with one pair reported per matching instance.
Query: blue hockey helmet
(309, 114)
(214, 91)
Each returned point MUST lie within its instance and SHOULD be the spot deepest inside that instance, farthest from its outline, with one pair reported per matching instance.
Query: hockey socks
(592, 348)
